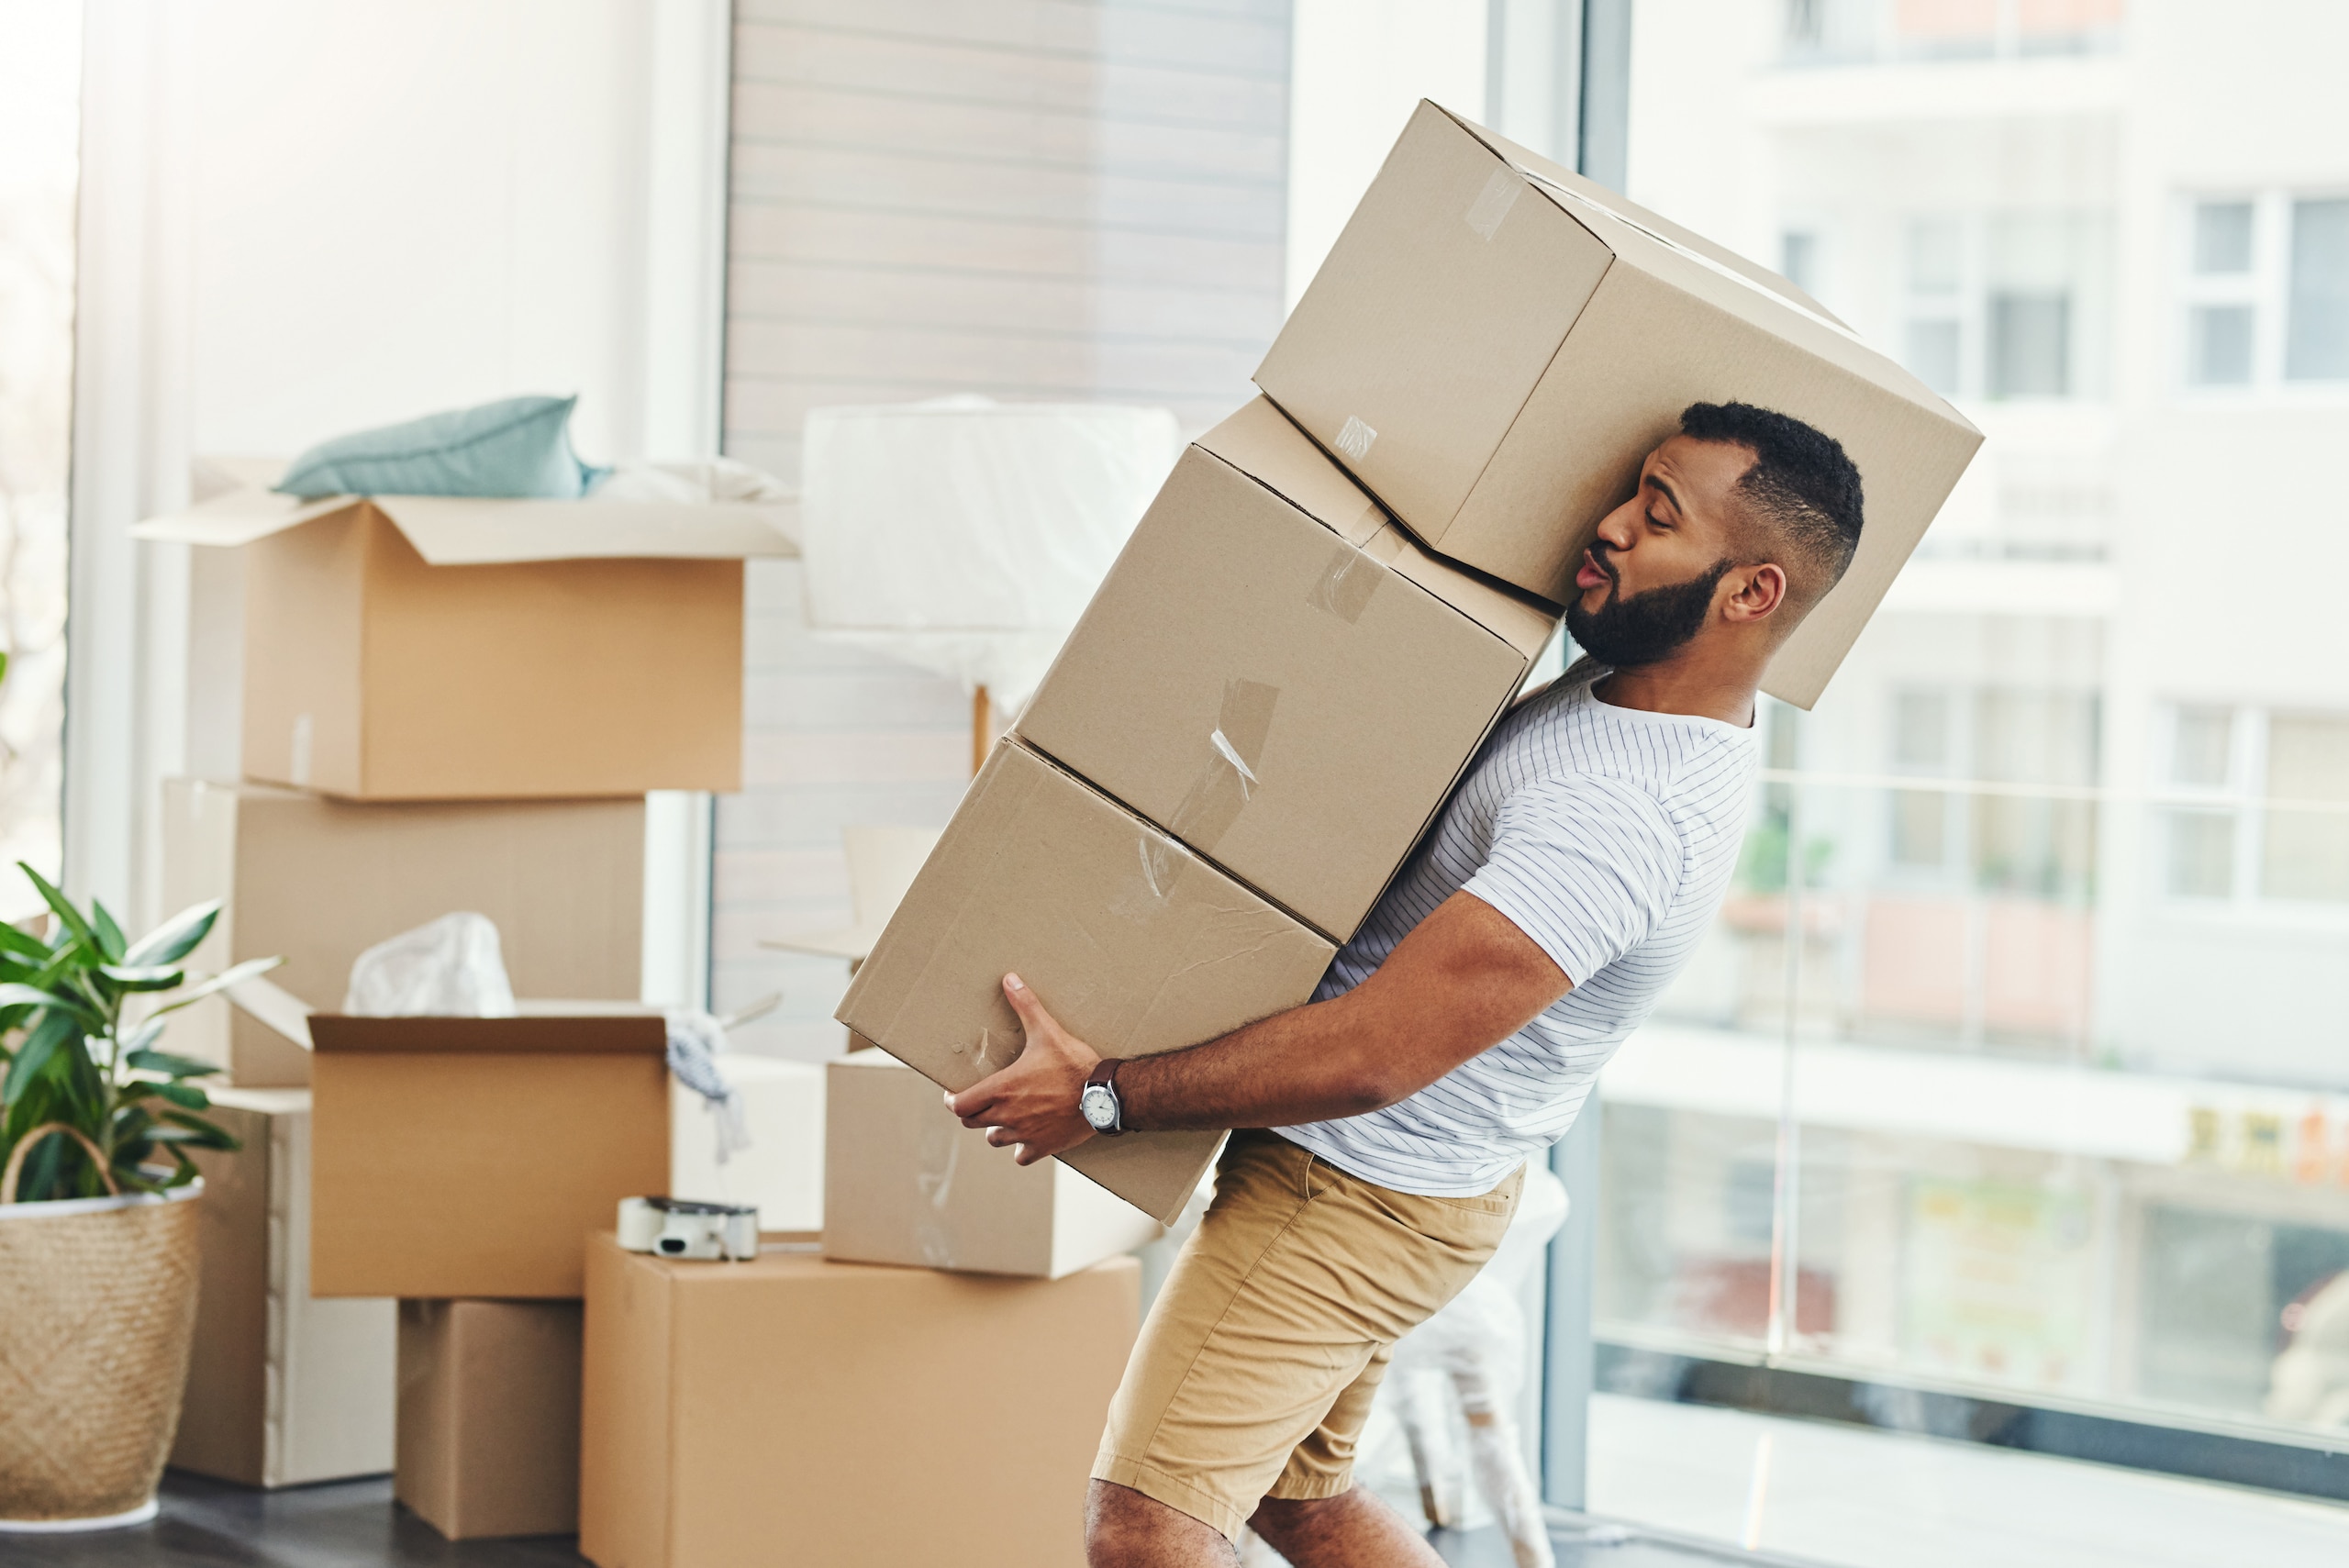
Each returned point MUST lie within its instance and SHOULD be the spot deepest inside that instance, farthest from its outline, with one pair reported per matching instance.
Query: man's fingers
(971, 1102)
(1032, 1016)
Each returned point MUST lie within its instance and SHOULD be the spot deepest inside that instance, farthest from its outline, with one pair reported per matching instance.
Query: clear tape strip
(1492, 204)
(1346, 584)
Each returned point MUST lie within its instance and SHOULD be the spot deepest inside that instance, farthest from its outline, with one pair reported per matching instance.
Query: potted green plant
(97, 1232)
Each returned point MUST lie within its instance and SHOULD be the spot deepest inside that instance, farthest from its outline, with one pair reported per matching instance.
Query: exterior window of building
(2316, 345)
(1798, 259)
(1936, 335)
(2305, 850)
(2005, 306)
(1921, 744)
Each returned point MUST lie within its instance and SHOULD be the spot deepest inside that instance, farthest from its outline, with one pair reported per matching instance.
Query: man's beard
(1648, 627)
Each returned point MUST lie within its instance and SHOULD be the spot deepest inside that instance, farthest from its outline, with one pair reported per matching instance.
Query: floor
(1855, 1498)
(206, 1523)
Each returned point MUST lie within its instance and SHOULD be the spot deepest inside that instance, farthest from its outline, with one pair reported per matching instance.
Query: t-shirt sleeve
(1586, 867)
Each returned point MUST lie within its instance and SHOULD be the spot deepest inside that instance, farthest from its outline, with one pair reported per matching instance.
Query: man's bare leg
(1125, 1529)
(1353, 1529)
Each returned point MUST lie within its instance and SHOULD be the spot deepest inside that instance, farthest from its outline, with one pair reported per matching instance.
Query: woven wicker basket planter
(97, 1307)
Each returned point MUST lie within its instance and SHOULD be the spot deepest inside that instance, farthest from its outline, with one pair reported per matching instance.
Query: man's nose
(1615, 529)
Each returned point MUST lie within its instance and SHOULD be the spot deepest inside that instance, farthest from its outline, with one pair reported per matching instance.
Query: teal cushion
(519, 447)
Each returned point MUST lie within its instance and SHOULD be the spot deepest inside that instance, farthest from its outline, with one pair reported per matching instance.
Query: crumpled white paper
(451, 967)
(695, 1042)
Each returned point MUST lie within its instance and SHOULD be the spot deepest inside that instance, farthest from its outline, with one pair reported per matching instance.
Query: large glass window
(39, 72)
(2012, 1064)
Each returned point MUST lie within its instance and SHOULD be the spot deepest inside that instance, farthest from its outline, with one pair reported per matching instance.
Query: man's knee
(1124, 1529)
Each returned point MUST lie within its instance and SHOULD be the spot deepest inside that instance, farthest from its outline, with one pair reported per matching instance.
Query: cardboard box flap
(597, 1033)
(1260, 441)
(238, 517)
(1545, 172)
(450, 531)
(1518, 618)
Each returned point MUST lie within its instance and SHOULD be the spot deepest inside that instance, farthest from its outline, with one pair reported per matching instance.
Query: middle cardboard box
(1280, 677)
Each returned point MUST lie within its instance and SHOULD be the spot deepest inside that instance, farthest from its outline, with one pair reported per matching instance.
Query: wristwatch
(1099, 1102)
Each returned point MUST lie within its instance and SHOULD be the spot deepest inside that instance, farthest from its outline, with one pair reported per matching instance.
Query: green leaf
(154, 977)
(181, 1096)
(33, 1055)
(208, 1134)
(145, 1035)
(63, 908)
(220, 982)
(175, 938)
(163, 1062)
(110, 935)
(14, 994)
(22, 943)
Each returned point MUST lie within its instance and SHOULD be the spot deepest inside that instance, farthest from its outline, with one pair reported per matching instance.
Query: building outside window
(2020, 1027)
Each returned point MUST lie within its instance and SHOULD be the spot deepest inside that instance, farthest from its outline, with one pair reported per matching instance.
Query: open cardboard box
(1494, 342)
(422, 648)
(319, 881)
(471, 1157)
(1280, 677)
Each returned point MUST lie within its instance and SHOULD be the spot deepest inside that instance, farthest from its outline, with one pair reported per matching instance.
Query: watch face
(1099, 1106)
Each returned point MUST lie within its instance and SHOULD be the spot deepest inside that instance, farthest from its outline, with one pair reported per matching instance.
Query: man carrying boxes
(1460, 1030)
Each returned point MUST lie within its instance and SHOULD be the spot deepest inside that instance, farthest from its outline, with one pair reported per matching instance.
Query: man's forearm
(1307, 1064)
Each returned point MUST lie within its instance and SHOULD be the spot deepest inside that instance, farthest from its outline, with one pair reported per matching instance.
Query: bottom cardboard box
(281, 1388)
(793, 1409)
(905, 1183)
(489, 1417)
(1136, 944)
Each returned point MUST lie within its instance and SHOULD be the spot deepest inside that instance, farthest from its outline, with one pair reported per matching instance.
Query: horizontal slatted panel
(1032, 199)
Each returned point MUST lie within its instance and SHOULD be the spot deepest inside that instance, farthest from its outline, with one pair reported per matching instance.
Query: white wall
(1359, 67)
(303, 219)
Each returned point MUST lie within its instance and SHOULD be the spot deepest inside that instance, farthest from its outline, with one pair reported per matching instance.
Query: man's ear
(1755, 592)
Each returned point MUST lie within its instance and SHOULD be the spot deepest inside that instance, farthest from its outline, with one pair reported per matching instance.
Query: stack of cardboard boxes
(441, 706)
(1335, 597)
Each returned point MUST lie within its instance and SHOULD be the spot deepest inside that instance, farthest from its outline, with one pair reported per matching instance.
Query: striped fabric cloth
(1606, 834)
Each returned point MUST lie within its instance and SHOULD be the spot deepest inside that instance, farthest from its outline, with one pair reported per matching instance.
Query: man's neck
(1673, 686)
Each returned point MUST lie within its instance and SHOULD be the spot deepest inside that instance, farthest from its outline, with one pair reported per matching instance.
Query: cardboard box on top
(905, 1183)
(1280, 677)
(782, 1171)
(431, 648)
(471, 1157)
(489, 1417)
(1495, 343)
(319, 881)
(282, 1389)
(1134, 942)
(835, 1415)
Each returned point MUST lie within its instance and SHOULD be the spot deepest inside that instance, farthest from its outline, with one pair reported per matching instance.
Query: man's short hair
(1802, 488)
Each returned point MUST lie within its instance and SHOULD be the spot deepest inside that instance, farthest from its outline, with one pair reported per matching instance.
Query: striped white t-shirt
(1606, 834)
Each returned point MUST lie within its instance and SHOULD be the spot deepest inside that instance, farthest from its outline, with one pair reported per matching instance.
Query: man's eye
(1656, 522)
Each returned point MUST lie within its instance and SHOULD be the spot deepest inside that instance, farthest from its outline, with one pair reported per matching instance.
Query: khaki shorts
(1256, 1371)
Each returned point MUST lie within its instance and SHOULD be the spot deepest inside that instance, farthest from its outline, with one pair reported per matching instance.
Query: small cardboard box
(282, 1389)
(431, 648)
(905, 1183)
(1135, 944)
(792, 1408)
(319, 881)
(1495, 343)
(782, 1171)
(489, 1417)
(1280, 677)
(471, 1157)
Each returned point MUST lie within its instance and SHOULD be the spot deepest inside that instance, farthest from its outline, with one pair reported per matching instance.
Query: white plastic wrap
(966, 536)
(450, 967)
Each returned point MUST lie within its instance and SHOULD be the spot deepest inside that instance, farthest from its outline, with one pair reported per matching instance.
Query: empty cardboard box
(434, 648)
(489, 1417)
(1280, 677)
(471, 1157)
(318, 882)
(905, 1183)
(782, 1172)
(837, 1415)
(1134, 942)
(1495, 343)
(282, 1389)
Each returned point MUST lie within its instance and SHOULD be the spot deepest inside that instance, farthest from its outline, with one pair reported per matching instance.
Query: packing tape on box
(941, 1151)
(1492, 203)
(1227, 776)
(1346, 584)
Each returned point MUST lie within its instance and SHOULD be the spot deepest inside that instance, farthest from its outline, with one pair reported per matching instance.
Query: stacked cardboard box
(1336, 595)
(441, 706)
